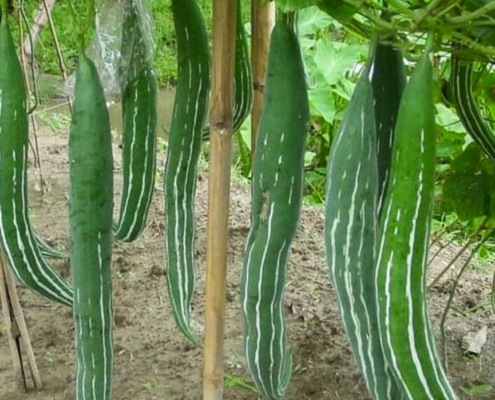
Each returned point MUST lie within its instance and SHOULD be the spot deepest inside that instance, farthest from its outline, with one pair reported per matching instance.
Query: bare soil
(154, 362)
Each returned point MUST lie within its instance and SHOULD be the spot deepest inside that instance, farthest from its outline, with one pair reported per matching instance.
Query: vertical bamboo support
(262, 23)
(224, 21)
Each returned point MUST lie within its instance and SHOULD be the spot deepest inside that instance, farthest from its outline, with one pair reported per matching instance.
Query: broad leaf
(448, 119)
(293, 5)
(334, 59)
(311, 20)
(322, 103)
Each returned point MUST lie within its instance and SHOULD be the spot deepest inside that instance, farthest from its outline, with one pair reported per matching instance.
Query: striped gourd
(388, 79)
(16, 233)
(350, 234)
(461, 89)
(243, 78)
(276, 202)
(190, 108)
(139, 125)
(405, 328)
(90, 218)
(48, 251)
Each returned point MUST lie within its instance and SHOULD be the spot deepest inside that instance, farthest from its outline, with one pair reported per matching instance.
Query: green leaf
(469, 162)
(322, 103)
(293, 5)
(476, 390)
(335, 59)
(467, 195)
(308, 158)
(468, 189)
(447, 148)
(345, 88)
(311, 20)
(448, 119)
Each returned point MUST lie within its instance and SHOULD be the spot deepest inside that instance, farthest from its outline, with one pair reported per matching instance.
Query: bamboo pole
(224, 21)
(9, 328)
(262, 23)
(17, 329)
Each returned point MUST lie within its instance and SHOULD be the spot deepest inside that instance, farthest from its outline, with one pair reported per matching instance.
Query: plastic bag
(123, 45)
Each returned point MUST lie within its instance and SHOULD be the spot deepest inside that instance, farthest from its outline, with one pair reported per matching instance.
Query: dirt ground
(154, 362)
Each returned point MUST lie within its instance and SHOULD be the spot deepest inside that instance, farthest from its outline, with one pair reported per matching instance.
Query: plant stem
(24, 65)
(440, 248)
(454, 288)
(48, 7)
(438, 235)
(459, 253)
(463, 19)
(427, 12)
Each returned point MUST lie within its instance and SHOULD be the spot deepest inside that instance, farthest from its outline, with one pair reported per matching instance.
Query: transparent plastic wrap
(137, 44)
(123, 45)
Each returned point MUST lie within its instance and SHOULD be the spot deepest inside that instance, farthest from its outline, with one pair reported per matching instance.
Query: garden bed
(154, 362)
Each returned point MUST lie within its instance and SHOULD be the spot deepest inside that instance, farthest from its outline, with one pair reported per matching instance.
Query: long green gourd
(461, 89)
(405, 328)
(350, 231)
(243, 78)
(277, 190)
(190, 109)
(139, 90)
(388, 79)
(90, 218)
(16, 234)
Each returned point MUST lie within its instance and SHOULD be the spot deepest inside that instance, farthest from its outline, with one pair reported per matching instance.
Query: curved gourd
(184, 146)
(277, 190)
(405, 328)
(461, 88)
(17, 238)
(352, 193)
(139, 111)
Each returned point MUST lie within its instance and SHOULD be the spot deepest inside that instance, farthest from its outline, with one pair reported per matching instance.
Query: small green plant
(48, 356)
(476, 390)
(56, 121)
(232, 381)
(149, 386)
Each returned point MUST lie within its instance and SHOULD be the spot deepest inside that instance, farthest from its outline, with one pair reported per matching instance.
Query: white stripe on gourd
(461, 88)
(350, 233)
(90, 220)
(276, 201)
(190, 109)
(405, 329)
(138, 86)
(46, 250)
(16, 233)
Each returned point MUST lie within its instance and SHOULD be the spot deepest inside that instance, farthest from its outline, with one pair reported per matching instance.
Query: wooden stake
(9, 325)
(224, 21)
(262, 23)
(17, 331)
